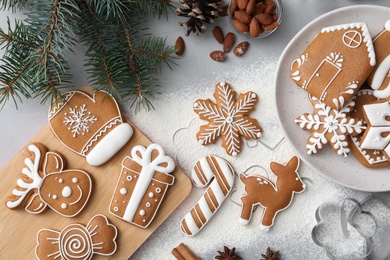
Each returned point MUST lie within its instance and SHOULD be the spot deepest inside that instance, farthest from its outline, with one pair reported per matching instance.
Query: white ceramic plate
(292, 101)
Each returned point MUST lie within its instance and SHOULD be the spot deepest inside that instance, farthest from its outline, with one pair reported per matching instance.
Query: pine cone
(228, 254)
(199, 12)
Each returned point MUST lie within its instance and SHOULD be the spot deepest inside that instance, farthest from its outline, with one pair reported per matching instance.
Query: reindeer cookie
(44, 182)
(273, 197)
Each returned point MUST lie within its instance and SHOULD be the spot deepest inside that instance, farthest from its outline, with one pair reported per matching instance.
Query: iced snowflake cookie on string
(329, 126)
(91, 126)
(227, 118)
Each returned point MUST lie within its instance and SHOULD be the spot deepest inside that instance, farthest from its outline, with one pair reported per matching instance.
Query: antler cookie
(77, 241)
(44, 182)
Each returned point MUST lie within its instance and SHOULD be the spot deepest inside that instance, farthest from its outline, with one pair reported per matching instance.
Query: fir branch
(12, 4)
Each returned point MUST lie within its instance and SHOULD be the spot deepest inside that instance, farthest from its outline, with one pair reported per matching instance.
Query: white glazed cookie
(219, 175)
(143, 182)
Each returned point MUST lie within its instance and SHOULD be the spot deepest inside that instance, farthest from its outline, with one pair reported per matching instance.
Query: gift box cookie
(142, 184)
(91, 126)
(335, 64)
(379, 79)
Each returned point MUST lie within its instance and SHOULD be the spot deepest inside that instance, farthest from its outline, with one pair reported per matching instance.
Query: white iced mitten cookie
(91, 126)
(143, 182)
(219, 175)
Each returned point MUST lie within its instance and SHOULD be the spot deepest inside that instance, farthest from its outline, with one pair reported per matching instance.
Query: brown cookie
(368, 158)
(273, 197)
(45, 182)
(329, 126)
(77, 241)
(227, 118)
(335, 64)
(379, 79)
(142, 185)
(91, 126)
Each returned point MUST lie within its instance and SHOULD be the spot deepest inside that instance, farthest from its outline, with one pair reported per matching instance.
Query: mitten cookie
(335, 64)
(329, 126)
(273, 197)
(89, 126)
(77, 241)
(379, 79)
(142, 184)
(45, 182)
(228, 118)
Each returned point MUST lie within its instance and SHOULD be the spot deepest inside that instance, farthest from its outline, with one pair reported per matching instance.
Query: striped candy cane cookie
(220, 174)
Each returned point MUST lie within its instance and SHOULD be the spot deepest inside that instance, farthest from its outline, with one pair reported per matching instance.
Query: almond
(224, 11)
(254, 28)
(270, 2)
(250, 8)
(242, 4)
(241, 48)
(260, 7)
(271, 26)
(264, 19)
(233, 7)
(275, 17)
(218, 56)
(229, 41)
(269, 9)
(180, 46)
(242, 27)
(242, 16)
(218, 34)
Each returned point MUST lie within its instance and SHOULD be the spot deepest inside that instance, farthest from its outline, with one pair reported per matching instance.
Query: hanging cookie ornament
(199, 12)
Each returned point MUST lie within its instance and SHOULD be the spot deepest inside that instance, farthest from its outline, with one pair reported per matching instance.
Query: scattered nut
(218, 56)
(241, 48)
(180, 46)
(229, 41)
(218, 34)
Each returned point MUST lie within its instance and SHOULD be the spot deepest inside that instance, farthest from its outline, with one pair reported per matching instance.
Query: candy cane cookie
(220, 175)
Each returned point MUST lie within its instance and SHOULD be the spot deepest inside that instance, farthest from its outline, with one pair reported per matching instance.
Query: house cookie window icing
(352, 39)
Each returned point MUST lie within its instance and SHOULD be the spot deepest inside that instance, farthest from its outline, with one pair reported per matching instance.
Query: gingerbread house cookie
(335, 64)
(379, 79)
(91, 126)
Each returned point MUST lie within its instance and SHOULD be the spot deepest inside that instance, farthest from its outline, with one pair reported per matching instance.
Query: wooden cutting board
(18, 228)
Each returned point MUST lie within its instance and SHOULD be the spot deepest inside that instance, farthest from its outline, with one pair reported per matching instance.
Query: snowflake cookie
(327, 124)
(227, 118)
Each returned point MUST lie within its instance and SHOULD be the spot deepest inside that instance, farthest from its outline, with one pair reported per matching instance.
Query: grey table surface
(195, 77)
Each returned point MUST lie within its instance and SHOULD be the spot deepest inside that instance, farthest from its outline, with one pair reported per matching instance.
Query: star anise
(228, 254)
(269, 255)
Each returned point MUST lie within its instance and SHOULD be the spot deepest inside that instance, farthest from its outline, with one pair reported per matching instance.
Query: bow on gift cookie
(142, 184)
(77, 241)
(44, 182)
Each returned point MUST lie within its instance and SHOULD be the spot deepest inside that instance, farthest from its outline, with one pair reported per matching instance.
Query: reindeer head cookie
(44, 182)
(273, 197)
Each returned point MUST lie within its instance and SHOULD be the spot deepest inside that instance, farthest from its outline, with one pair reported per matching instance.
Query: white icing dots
(234, 154)
(222, 83)
(142, 212)
(75, 180)
(151, 194)
(64, 205)
(196, 104)
(129, 178)
(254, 95)
(60, 180)
(123, 191)
(148, 204)
(66, 192)
(54, 197)
(116, 209)
(158, 190)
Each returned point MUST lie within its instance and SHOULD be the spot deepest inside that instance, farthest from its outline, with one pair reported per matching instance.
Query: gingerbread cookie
(77, 241)
(273, 197)
(377, 135)
(45, 182)
(228, 118)
(335, 64)
(219, 174)
(379, 79)
(89, 126)
(368, 158)
(329, 126)
(142, 184)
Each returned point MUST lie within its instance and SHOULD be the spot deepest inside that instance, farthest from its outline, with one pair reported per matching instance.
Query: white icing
(352, 39)
(366, 36)
(64, 205)
(60, 180)
(75, 180)
(142, 212)
(123, 191)
(148, 205)
(379, 76)
(66, 191)
(110, 144)
(79, 198)
(387, 25)
(129, 178)
(158, 190)
(151, 194)
(54, 197)
(143, 156)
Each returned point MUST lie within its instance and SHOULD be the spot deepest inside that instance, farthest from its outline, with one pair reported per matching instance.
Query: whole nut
(271, 26)
(242, 16)
(250, 8)
(233, 7)
(218, 56)
(241, 27)
(218, 34)
(264, 19)
(269, 9)
(242, 4)
(260, 7)
(229, 41)
(254, 28)
(241, 48)
(180, 46)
